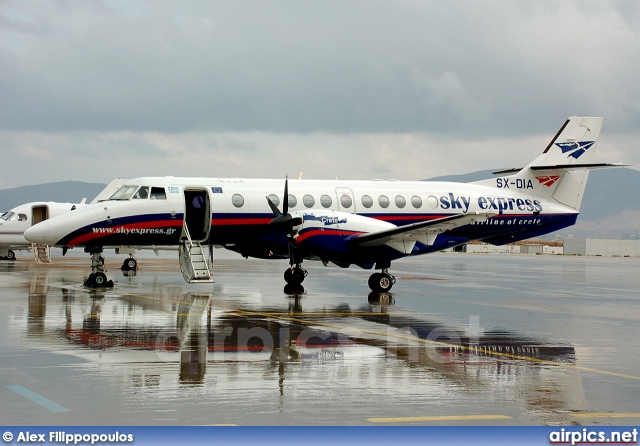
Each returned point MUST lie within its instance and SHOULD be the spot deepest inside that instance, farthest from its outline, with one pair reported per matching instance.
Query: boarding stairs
(41, 253)
(193, 264)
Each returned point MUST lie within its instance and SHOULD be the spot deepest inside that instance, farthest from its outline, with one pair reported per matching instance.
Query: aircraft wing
(404, 238)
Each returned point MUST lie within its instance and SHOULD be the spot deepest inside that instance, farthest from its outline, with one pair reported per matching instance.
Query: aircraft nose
(40, 233)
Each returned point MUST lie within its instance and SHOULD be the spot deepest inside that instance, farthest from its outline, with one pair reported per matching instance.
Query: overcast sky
(98, 90)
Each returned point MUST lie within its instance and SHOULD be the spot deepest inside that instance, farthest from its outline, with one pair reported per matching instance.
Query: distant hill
(64, 191)
(610, 208)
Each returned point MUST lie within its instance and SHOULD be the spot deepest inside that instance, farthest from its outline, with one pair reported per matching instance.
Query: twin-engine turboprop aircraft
(366, 223)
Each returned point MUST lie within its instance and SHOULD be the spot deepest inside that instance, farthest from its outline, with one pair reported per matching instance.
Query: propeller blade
(280, 220)
(274, 208)
(285, 199)
(283, 221)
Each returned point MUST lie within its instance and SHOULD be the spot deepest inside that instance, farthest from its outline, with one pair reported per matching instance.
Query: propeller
(283, 221)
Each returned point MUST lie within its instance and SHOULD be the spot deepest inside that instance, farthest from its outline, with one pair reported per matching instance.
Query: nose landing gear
(97, 278)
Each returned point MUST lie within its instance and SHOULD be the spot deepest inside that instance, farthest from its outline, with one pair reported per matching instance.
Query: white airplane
(366, 223)
(15, 222)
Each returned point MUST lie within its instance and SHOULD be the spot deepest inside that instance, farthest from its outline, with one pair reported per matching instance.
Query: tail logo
(548, 180)
(575, 149)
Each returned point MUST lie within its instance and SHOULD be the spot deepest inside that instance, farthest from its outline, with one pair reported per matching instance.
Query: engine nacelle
(326, 233)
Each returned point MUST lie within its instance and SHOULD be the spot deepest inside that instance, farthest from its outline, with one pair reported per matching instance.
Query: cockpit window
(158, 193)
(142, 194)
(22, 217)
(7, 215)
(124, 193)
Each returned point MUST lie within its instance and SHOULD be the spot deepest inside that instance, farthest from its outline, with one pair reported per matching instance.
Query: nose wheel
(381, 282)
(97, 278)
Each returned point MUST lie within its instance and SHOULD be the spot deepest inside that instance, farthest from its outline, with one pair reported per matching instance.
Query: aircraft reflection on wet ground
(365, 357)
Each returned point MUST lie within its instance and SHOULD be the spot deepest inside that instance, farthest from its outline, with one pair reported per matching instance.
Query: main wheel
(380, 282)
(130, 264)
(295, 276)
(11, 255)
(299, 273)
(291, 277)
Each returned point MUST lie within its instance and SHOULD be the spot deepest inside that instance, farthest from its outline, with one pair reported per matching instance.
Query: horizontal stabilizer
(562, 167)
(578, 166)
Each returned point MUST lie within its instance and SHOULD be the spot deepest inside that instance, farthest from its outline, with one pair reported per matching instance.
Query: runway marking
(438, 418)
(606, 415)
(38, 399)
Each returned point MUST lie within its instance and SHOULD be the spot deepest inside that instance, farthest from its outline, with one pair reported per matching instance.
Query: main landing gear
(130, 264)
(295, 275)
(97, 278)
(381, 282)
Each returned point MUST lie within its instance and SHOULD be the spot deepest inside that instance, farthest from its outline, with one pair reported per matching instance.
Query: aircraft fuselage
(238, 214)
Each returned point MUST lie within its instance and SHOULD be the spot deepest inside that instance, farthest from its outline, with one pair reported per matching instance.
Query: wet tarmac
(462, 339)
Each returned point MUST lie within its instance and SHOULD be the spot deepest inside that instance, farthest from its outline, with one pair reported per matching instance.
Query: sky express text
(500, 204)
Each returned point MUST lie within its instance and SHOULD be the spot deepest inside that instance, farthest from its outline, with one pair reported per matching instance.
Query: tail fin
(561, 171)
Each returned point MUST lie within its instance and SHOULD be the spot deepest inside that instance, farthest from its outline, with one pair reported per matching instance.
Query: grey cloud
(468, 67)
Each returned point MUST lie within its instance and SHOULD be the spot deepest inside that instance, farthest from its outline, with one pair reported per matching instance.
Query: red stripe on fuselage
(313, 232)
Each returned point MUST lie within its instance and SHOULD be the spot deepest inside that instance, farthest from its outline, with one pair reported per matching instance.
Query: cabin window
(158, 193)
(325, 201)
(142, 194)
(346, 201)
(416, 202)
(237, 200)
(383, 201)
(308, 201)
(274, 198)
(367, 201)
(293, 201)
(400, 201)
